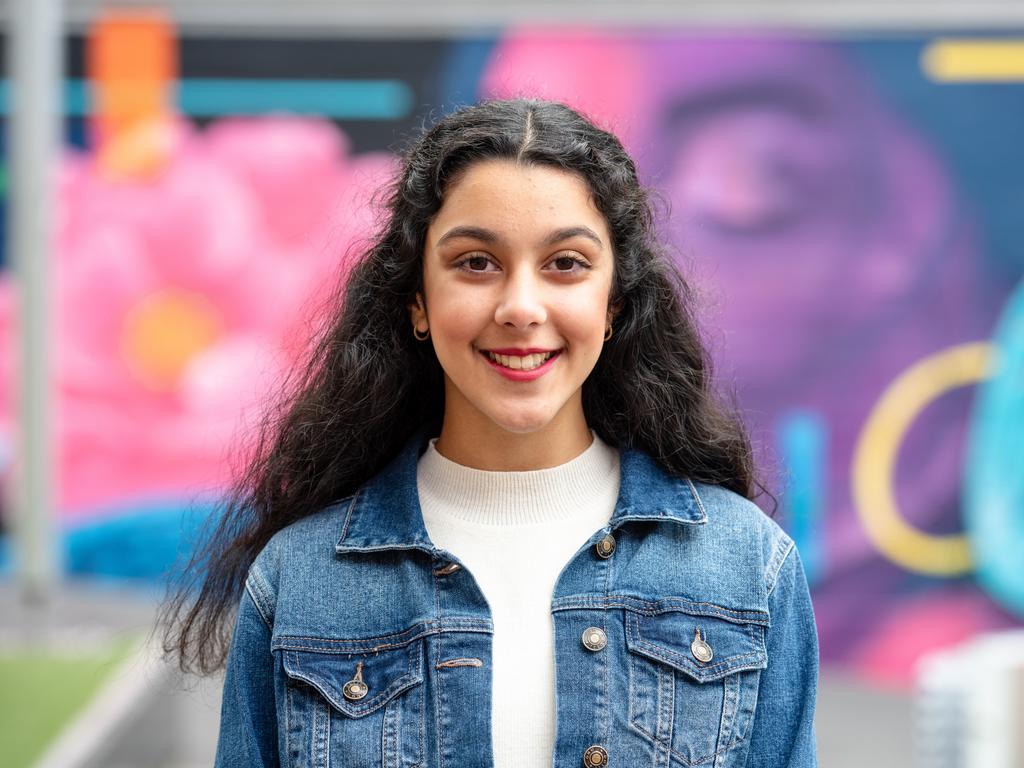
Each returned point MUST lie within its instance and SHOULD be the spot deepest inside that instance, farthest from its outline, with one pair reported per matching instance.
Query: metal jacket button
(605, 546)
(594, 638)
(595, 757)
(701, 650)
(447, 570)
(355, 688)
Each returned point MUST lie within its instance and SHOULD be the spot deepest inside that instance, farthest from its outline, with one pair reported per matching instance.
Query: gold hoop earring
(608, 332)
(416, 333)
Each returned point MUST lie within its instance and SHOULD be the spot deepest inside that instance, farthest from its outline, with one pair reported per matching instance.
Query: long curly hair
(369, 386)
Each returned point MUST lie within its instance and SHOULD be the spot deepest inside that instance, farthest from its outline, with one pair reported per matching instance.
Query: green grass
(40, 692)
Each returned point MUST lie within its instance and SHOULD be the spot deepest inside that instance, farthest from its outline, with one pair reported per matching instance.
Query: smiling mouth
(520, 362)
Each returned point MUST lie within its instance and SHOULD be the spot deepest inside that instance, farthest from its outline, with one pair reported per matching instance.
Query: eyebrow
(487, 236)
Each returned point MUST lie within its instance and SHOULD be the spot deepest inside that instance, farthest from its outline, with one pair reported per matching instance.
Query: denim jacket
(358, 643)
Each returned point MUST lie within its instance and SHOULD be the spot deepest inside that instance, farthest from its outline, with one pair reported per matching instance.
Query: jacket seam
(778, 559)
(381, 642)
(349, 512)
(657, 607)
(439, 710)
(609, 564)
(260, 591)
(696, 496)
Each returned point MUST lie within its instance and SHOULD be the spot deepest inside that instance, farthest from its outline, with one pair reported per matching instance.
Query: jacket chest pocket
(358, 709)
(693, 682)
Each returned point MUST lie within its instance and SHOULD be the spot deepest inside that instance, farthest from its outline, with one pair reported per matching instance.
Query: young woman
(504, 521)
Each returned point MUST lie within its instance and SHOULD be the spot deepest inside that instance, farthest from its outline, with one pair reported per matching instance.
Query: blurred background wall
(842, 182)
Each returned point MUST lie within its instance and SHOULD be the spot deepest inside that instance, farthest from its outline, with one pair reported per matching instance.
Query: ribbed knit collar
(516, 497)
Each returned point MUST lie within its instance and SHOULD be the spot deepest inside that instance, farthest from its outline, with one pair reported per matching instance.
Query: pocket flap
(668, 638)
(386, 673)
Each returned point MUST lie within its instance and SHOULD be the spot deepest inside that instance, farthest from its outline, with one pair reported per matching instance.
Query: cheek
(455, 326)
(458, 321)
(584, 318)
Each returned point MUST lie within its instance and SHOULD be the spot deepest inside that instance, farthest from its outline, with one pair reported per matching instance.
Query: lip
(514, 375)
(520, 352)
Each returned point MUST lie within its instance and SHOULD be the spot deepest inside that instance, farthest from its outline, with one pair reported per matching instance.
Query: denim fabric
(359, 586)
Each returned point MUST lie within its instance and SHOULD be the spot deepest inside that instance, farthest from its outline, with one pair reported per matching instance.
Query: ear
(614, 308)
(418, 312)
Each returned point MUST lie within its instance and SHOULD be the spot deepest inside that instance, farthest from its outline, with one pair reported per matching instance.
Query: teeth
(521, 363)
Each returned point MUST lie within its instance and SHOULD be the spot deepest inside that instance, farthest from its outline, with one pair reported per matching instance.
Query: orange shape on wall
(132, 66)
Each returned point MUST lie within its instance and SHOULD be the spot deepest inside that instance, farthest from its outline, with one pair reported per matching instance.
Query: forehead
(504, 192)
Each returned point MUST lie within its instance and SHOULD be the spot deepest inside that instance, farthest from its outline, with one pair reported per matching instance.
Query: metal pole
(33, 125)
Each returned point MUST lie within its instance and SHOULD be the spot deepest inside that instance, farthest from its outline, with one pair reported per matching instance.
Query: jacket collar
(385, 512)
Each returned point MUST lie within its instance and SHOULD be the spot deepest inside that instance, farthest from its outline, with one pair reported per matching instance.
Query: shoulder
(308, 535)
(304, 546)
(719, 531)
(736, 523)
(725, 507)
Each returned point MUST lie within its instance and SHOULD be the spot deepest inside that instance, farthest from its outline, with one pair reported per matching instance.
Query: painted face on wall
(810, 210)
(517, 272)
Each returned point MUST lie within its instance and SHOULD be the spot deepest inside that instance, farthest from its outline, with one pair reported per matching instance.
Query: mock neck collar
(385, 512)
(517, 497)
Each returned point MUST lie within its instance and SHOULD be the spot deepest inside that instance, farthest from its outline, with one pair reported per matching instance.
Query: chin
(522, 423)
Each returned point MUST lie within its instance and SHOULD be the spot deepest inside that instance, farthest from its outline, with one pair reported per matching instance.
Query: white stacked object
(969, 708)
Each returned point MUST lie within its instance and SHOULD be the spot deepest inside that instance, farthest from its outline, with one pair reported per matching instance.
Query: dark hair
(369, 386)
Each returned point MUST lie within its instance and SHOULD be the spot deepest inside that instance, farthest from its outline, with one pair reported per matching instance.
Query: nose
(521, 303)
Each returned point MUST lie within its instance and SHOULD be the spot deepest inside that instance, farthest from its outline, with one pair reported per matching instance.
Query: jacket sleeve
(248, 721)
(783, 731)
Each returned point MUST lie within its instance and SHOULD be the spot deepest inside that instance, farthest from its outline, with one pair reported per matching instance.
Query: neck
(490, 447)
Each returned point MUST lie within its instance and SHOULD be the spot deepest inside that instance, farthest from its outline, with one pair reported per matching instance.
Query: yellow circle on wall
(874, 460)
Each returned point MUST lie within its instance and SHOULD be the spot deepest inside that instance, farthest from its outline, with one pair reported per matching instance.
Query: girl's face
(517, 271)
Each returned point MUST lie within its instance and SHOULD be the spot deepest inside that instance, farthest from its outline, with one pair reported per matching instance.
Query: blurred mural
(849, 210)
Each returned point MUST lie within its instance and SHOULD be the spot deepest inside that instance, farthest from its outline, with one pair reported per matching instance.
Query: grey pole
(33, 125)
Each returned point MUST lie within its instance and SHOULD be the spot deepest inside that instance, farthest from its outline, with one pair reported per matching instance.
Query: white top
(514, 532)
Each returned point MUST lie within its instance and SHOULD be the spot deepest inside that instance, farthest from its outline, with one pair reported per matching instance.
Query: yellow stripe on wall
(958, 61)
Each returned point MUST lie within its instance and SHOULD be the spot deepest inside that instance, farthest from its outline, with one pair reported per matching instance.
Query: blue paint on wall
(336, 99)
(994, 486)
(802, 442)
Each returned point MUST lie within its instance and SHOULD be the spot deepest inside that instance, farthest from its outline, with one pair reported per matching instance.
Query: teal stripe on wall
(339, 99)
(803, 443)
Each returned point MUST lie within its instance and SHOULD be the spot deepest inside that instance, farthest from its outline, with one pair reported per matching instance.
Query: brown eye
(475, 263)
(568, 263)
